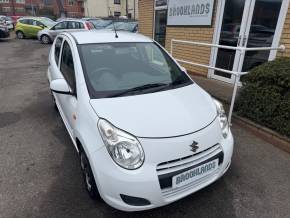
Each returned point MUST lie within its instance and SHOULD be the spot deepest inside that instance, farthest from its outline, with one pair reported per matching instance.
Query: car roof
(107, 36)
(34, 18)
(72, 19)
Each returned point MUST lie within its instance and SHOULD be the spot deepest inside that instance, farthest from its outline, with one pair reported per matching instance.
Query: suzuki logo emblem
(194, 146)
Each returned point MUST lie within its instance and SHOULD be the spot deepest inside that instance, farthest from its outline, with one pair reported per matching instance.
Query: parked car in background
(47, 35)
(147, 135)
(8, 22)
(4, 31)
(126, 26)
(99, 23)
(30, 26)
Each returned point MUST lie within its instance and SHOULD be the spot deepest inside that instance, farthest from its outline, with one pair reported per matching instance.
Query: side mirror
(60, 86)
(42, 26)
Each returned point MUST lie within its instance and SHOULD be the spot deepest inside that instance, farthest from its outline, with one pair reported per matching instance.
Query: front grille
(166, 170)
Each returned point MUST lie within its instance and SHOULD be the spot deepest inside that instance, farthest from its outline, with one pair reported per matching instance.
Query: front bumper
(145, 182)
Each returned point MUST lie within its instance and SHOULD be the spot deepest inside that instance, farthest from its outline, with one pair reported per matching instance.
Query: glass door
(160, 21)
(160, 26)
(250, 23)
(261, 34)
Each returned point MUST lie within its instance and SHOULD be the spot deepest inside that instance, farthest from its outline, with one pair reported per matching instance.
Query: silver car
(47, 35)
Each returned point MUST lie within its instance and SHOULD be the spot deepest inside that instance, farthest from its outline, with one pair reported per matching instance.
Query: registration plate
(194, 174)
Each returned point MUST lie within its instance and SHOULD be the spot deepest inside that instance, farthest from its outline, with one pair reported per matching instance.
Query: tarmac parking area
(39, 168)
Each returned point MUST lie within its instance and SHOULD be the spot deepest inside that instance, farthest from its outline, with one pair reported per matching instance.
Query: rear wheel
(20, 35)
(88, 176)
(45, 39)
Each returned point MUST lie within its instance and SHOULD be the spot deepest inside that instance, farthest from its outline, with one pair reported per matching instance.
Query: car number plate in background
(194, 174)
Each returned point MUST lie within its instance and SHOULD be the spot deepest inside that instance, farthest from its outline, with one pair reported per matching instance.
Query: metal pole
(237, 80)
(134, 9)
(127, 8)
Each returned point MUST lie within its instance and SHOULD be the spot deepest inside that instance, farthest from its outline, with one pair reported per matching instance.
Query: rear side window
(57, 47)
(75, 25)
(67, 66)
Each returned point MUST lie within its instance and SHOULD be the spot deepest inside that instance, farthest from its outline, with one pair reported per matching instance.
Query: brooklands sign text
(190, 12)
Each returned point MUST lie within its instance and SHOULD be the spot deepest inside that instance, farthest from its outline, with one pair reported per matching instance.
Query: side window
(71, 25)
(67, 66)
(39, 23)
(57, 48)
(75, 25)
(81, 26)
(29, 22)
(34, 22)
(60, 26)
(24, 21)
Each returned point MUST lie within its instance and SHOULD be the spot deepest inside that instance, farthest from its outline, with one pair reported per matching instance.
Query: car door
(34, 28)
(58, 28)
(68, 103)
(25, 26)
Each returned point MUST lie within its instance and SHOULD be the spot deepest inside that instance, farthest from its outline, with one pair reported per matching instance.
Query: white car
(147, 135)
(7, 21)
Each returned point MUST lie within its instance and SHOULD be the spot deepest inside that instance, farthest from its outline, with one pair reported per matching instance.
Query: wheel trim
(20, 35)
(45, 39)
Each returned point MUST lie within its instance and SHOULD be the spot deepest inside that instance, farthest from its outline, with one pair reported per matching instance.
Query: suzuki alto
(146, 133)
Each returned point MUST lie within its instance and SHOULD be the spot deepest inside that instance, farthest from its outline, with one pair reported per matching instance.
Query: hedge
(265, 95)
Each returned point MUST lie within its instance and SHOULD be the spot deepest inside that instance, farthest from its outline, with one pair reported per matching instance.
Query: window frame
(60, 50)
(74, 88)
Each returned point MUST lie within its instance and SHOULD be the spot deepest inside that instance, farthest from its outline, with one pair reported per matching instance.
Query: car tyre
(45, 39)
(88, 176)
(54, 102)
(20, 35)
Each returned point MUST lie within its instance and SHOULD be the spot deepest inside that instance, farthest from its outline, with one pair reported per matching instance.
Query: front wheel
(45, 39)
(20, 35)
(88, 176)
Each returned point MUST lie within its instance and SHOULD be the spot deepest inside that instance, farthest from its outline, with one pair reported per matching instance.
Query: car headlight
(222, 118)
(124, 148)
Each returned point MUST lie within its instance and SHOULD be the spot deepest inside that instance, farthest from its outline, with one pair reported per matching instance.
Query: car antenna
(116, 34)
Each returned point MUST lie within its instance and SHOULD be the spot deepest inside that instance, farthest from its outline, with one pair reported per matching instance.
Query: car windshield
(118, 69)
(127, 26)
(47, 22)
(100, 24)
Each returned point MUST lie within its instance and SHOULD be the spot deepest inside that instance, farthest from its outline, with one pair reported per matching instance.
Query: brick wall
(285, 37)
(186, 52)
(146, 17)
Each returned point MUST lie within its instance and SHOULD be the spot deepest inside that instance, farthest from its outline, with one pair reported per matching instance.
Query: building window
(22, 10)
(4, 1)
(117, 2)
(71, 2)
(117, 14)
(6, 9)
(20, 1)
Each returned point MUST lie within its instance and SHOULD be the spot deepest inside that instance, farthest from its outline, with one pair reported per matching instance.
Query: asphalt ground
(39, 168)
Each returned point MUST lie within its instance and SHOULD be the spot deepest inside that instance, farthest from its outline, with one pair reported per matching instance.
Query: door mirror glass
(60, 86)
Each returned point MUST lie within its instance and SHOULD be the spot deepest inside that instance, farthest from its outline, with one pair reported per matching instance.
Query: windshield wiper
(138, 88)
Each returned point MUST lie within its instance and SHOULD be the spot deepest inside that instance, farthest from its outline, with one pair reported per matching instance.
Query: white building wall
(105, 8)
